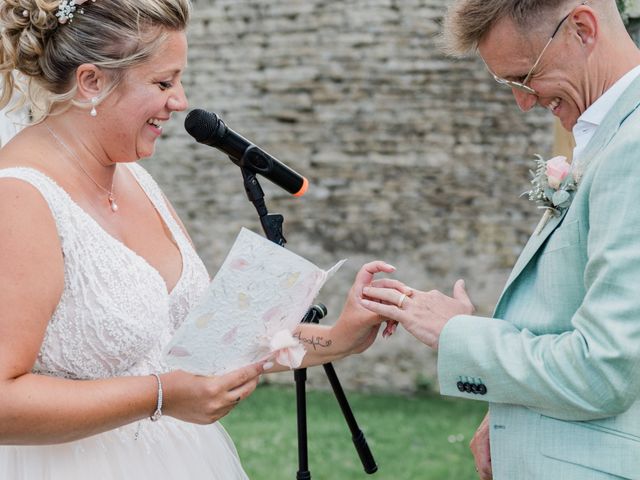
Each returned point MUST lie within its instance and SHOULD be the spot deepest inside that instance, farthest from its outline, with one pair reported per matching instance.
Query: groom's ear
(586, 27)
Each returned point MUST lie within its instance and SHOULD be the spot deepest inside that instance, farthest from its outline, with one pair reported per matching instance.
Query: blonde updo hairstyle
(39, 56)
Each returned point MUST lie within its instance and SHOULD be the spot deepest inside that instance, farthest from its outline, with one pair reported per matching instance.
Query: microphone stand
(272, 226)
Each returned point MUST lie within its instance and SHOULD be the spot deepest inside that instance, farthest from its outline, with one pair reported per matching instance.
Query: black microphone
(208, 129)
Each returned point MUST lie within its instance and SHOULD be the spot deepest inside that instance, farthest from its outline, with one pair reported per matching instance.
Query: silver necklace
(110, 196)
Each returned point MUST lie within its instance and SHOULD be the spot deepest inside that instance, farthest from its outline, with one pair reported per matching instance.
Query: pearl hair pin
(67, 9)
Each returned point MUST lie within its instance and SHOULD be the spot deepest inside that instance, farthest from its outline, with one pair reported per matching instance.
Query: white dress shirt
(592, 117)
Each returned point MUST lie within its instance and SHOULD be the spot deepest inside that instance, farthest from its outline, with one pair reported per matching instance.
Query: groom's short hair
(468, 21)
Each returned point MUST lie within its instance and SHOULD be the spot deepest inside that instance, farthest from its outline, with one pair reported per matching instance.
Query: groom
(559, 361)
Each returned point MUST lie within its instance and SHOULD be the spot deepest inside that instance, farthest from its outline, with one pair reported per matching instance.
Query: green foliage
(623, 7)
(425, 436)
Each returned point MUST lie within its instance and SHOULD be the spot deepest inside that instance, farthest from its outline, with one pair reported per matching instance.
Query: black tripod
(272, 226)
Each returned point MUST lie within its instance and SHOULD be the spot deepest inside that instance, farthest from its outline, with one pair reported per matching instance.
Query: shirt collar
(599, 109)
(592, 117)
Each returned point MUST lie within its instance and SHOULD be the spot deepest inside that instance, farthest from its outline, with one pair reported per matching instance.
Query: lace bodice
(115, 314)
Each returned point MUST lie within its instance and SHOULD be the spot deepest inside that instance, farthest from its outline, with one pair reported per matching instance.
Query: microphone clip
(315, 313)
(271, 222)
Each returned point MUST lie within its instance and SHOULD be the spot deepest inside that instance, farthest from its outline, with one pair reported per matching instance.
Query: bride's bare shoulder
(29, 148)
(29, 237)
(19, 198)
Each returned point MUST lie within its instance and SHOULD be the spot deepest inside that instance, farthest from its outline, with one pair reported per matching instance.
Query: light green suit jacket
(560, 359)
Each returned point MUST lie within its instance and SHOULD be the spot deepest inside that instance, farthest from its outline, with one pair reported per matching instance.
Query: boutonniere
(552, 186)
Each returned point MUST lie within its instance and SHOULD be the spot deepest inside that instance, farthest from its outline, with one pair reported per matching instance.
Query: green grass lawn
(419, 437)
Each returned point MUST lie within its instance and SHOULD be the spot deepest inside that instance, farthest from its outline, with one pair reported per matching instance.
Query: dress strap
(57, 199)
(153, 191)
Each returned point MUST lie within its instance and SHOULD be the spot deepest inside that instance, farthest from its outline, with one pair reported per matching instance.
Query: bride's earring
(94, 102)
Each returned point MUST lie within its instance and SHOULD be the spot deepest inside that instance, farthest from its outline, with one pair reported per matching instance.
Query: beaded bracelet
(158, 413)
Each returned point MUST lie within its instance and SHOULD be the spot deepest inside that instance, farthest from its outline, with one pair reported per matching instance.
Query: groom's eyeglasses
(522, 86)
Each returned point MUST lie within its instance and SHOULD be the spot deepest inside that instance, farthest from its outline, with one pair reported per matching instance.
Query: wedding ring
(401, 300)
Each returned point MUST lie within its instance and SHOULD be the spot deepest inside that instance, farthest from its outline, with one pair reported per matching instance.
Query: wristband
(158, 413)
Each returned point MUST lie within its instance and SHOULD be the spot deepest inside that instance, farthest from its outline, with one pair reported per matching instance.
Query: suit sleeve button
(482, 389)
(467, 387)
(460, 386)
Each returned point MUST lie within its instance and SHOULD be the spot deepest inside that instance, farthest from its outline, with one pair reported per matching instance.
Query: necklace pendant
(113, 204)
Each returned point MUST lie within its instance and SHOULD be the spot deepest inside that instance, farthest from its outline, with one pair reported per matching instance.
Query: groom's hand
(357, 327)
(423, 314)
(481, 449)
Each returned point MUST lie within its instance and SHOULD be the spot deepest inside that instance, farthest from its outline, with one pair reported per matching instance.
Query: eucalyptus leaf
(549, 192)
(561, 198)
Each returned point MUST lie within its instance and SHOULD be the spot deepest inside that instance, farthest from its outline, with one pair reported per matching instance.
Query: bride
(96, 270)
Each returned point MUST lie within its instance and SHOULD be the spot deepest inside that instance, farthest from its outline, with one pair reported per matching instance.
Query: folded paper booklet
(249, 311)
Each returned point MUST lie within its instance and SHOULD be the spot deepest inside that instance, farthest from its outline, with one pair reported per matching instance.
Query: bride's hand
(204, 400)
(357, 327)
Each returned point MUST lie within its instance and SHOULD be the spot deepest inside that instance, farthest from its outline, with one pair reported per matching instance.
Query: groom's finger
(460, 294)
(384, 310)
(392, 283)
(388, 295)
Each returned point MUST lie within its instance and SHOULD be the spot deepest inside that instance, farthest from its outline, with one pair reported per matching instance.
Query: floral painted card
(249, 311)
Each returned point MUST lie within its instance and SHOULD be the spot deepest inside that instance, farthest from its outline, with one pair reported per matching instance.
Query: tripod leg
(300, 377)
(359, 440)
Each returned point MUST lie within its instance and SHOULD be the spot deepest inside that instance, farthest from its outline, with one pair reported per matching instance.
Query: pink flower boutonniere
(552, 186)
(557, 170)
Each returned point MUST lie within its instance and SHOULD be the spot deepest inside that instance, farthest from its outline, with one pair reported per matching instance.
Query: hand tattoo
(315, 342)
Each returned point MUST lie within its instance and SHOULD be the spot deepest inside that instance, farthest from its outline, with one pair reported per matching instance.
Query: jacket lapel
(624, 106)
(530, 249)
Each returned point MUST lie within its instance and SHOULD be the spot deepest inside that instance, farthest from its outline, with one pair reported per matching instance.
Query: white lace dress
(114, 317)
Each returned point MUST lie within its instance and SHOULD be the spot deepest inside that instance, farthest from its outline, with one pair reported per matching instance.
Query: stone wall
(413, 157)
